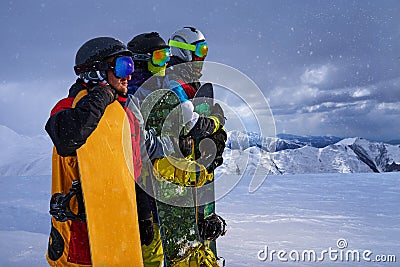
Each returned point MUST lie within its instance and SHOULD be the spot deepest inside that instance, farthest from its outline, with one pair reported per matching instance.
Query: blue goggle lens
(123, 66)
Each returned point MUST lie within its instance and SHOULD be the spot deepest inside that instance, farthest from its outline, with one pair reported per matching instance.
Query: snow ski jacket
(68, 127)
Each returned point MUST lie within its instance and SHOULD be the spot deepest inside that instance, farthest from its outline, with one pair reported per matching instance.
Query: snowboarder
(150, 55)
(104, 65)
(188, 45)
(189, 50)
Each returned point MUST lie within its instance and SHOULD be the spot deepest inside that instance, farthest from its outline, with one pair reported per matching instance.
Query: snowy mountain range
(290, 154)
(245, 152)
(24, 156)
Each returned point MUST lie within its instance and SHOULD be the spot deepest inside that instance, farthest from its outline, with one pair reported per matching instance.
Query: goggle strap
(141, 57)
(97, 65)
(182, 45)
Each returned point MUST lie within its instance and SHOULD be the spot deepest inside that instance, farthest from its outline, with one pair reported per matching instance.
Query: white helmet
(188, 35)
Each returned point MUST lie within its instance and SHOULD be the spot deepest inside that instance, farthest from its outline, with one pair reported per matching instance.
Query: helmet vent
(191, 28)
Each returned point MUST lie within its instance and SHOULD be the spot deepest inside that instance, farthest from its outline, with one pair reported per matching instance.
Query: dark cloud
(326, 67)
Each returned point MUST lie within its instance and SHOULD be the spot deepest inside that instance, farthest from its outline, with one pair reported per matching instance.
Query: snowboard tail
(182, 244)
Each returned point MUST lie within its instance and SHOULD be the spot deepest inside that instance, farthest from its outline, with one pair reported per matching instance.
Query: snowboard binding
(60, 205)
(212, 227)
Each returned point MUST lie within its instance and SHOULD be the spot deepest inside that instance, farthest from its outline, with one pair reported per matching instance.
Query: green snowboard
(176, 205)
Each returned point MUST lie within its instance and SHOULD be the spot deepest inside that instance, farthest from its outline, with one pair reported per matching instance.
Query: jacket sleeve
(152, 146)
(196, 126)
(69, 128)
(205, 126)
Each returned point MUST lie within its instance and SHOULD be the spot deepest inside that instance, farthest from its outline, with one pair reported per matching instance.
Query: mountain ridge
(312, 154)
(245, 152)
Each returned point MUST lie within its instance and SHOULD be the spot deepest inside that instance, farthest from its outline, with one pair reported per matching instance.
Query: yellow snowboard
(106, 169)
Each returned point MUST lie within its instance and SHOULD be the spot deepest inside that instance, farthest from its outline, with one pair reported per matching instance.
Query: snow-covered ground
(24, 220)
(297, 213)
(292, 213)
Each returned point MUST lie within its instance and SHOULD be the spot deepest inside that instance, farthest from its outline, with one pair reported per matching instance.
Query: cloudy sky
(326, 67)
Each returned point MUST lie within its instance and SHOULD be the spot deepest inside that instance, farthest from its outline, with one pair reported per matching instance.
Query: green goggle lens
(201, 49)
(160, 57)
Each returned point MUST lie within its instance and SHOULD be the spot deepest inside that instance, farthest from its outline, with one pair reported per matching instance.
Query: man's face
(119, 84)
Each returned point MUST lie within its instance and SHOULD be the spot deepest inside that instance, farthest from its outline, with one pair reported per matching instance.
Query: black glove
(182, 145)
(219, 138)
(217, 111)
(209, 151)
(146, 229)
(185, 145)
(111, 93)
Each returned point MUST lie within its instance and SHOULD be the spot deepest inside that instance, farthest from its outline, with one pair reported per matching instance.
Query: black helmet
(97, 50)
(100, 48)
(146, 43)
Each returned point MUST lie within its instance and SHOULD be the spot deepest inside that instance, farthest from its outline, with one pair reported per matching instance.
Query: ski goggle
(200, 49)
(158, 58)
(121, 66)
